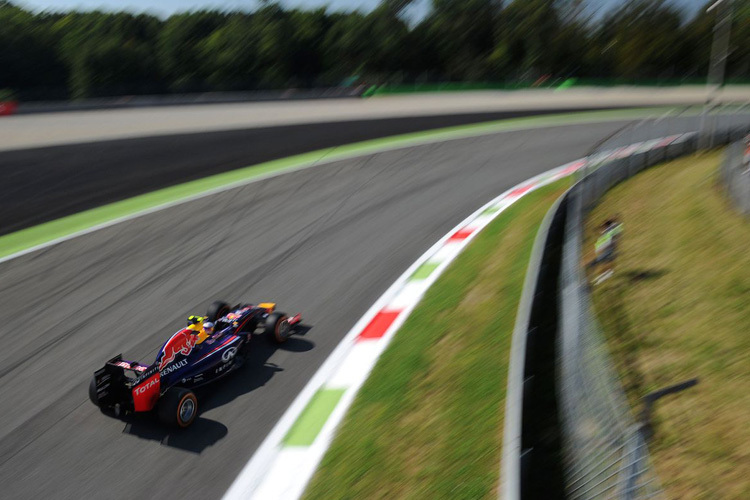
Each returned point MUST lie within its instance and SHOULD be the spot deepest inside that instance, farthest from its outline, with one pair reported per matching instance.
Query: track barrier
(579, 418)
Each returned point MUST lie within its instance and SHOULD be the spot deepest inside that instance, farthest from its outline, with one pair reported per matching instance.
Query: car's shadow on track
(254, 373)
(204, 432)
(196, 438)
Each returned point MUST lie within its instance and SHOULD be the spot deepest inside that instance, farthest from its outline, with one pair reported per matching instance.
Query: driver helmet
(208, 327)
(194, 320)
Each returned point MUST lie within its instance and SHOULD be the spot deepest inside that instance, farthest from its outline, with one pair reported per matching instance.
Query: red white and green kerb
(284, 463)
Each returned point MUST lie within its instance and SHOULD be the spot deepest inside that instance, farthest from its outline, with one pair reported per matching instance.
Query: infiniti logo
(229, 354)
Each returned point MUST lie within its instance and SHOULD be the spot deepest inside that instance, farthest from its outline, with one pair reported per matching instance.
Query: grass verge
(678, 307)
(428, 422)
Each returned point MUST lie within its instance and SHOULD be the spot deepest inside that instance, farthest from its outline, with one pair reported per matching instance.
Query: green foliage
(7, 95)
(107, 54)
(27, 50)
(511, 43)
(179, 45)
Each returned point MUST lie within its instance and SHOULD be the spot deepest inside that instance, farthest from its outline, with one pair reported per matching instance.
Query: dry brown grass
(689, 317)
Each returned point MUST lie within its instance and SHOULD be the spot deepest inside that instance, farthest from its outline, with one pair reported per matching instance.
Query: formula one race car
(187, 361)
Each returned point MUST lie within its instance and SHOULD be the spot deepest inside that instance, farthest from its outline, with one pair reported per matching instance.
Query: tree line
(88, 54)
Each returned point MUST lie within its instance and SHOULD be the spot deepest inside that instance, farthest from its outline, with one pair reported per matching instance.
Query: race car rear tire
(178, 407)
(217, 310)
(92, 392)
(277, 327)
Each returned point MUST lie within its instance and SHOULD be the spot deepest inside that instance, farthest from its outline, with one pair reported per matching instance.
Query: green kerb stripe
(313, 417)
(490, 210)
(424, 271)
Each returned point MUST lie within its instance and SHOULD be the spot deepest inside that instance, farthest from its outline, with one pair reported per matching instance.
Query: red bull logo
(181, 342)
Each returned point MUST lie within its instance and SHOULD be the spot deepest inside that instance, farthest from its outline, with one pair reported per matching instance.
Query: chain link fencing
(600, 444)
(604, 446)
(735, 174)
(605, 453)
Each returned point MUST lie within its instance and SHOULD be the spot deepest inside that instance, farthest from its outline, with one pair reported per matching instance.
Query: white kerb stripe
(447, 252)
(409, 295)
(350, 373)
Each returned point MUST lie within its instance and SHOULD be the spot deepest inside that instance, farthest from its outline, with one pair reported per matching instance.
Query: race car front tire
(178, 407)
(277, 327)
(217, 309)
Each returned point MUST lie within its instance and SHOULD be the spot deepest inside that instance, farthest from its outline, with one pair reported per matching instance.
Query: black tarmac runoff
(47, 183)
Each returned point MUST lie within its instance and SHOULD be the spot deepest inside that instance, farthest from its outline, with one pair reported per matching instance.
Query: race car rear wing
(111, 383)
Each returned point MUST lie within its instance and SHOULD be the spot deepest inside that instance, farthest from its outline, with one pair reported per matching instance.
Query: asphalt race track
(326, 241)
(82, 176)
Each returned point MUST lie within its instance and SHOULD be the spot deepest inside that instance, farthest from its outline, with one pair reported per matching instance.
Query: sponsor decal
(146, 393)
(223, 368)
(148, 372)
(181, 342)
(131, 366)
(146, 386)
(229, 354)
(169, 369)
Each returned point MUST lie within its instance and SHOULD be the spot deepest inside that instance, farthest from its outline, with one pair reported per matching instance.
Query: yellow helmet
(194, 320)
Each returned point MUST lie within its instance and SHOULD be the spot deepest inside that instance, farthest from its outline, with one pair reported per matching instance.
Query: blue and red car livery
(184, 363)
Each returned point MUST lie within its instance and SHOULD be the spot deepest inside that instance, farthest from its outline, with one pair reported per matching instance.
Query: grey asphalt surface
(325, 241)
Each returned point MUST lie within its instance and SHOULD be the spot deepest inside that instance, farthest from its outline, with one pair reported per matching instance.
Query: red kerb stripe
(461, 234)
(521, 190)
(572, 168)
(379, 324)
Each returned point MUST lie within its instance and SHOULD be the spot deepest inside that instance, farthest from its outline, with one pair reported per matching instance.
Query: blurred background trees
(513, 42)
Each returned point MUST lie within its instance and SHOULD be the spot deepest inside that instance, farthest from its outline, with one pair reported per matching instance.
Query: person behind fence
(606, 248)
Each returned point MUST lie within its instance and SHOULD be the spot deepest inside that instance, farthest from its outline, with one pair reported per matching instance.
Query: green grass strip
(428, 421)
(313, 417)
(63, 227)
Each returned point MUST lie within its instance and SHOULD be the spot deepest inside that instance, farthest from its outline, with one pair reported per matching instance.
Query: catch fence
(603, 447)
(735, 174)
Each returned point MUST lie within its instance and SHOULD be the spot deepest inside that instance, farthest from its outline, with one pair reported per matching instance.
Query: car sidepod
(210, 360)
